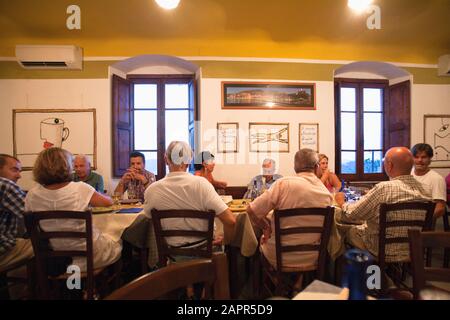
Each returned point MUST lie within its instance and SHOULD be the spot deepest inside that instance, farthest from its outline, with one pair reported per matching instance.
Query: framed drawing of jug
(38, 129)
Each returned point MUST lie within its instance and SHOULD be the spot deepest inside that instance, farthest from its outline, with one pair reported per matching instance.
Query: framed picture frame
(436, 132)
(268, 137)
(268, 95)
(227, 137)
(308, 136)
(37, 129)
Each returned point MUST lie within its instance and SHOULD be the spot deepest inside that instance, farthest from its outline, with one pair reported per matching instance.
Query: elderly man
(423, 153)
(181, 190)
(12, 247)
(82, 167)
(136, 179)
(402, 187)
(260, 183)
(304, 190)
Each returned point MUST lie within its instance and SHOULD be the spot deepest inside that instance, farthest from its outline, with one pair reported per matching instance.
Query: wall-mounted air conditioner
(49, 57)
(444, 65)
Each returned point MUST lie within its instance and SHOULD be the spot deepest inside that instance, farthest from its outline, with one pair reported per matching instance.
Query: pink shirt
(304, 190)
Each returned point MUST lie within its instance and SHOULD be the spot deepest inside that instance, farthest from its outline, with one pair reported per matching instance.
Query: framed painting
(36, 129)
(308, 136)
(268, 137)
(268, 95)
(436, 132)
(227, 137)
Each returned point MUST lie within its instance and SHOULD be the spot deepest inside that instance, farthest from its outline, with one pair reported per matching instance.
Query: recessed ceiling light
(359, 5)
(168, 4)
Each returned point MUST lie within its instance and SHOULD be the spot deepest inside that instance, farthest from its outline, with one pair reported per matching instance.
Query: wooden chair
(58, 261)
(213, 273)
(278, 278)
(418, 242)
(7, 282)
(387, 221)
(165, 251)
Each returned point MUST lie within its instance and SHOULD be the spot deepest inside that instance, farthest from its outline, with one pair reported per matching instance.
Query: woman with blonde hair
(56, 191)
(329, 179)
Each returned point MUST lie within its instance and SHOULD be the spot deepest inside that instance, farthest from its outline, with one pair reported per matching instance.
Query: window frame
(359, 85)
(160, 80)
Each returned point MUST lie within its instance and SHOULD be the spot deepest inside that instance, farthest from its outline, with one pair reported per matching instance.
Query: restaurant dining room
(224, 150)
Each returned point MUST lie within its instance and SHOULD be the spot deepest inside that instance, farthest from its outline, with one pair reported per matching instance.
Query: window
(150, 112)
(360, 117)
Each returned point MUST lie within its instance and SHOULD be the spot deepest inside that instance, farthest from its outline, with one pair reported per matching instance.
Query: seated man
(402, 187)
(82, 167)
(181, 190)
(264, 181)
(13, 248)
(136, 179)
(423, 153)
(304, 190)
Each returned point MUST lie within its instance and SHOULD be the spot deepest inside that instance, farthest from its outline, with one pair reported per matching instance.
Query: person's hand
(339, 198)
(267, 233)
(136, 175)
(218, 240)
(127, 177)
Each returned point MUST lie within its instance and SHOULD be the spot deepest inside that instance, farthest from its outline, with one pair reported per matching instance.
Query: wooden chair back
(165, 251)
(45, 256)
(213, 273)
(418, 243)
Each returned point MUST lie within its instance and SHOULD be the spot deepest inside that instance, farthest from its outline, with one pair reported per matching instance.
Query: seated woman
(56, 191)
(329, 179)
(204, 166)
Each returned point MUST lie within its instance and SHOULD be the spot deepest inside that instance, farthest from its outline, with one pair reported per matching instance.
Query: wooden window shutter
(122, 124)
(398, 116)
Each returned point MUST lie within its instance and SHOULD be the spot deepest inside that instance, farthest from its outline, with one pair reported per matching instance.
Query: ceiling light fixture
(168, 4)
(359, 5)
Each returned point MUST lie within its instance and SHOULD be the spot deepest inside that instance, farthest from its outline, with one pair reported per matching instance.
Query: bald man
(82, 167)
(401, 187)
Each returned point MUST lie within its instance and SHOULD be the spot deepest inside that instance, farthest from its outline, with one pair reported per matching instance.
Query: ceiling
(412, 31)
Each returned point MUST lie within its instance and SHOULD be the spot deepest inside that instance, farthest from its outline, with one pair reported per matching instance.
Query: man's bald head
(398, 161)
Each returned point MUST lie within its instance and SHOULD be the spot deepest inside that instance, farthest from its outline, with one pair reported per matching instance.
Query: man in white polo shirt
(182, 190)
(423, 153)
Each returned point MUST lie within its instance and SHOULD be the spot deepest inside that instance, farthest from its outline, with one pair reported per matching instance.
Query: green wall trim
(267, 70)
(217, 69)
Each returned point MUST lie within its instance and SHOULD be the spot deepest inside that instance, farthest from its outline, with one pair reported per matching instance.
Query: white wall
(236, 169)
(58, 94)
(428, 99)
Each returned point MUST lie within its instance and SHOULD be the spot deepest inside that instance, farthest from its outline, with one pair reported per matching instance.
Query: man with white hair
(82, 167)
(180, 190)
(264, 181)
(304, 190)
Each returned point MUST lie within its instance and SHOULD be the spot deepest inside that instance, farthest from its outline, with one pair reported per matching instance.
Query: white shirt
(181, 190)
(75, 196)
(435, 183)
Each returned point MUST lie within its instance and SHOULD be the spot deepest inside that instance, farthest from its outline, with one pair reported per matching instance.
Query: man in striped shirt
(402, 187)
(12, 247)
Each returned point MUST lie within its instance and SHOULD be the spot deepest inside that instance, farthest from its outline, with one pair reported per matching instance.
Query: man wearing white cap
(262, 182)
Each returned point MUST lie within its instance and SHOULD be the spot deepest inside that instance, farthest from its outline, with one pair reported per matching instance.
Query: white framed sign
(308, 136)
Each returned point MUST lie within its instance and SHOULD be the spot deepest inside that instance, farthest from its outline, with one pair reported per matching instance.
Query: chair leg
(143, 254)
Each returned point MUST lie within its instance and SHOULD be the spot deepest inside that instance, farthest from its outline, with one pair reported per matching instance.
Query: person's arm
(439, 210)
(335, 182)
(122, 185)
(100, 200)
(219, 184)
(229, 223)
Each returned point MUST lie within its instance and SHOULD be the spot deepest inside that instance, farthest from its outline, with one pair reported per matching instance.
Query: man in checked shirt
(401, 187)
(13, 248)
